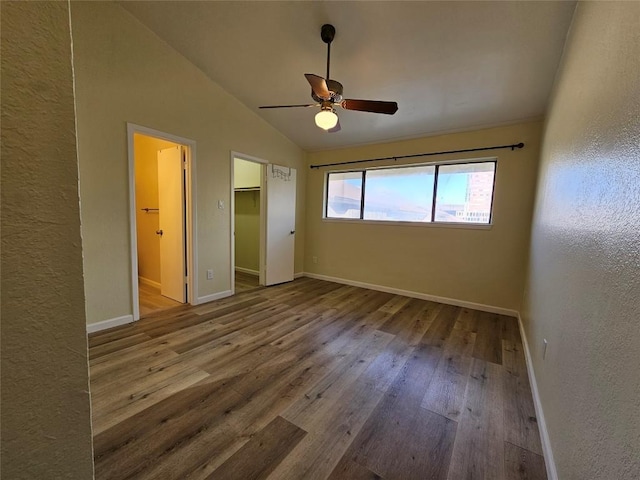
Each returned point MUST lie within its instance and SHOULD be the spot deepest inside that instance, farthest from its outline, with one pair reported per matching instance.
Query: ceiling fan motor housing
(335, 88)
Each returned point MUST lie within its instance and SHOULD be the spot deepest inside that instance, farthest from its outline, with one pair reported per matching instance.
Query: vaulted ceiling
(449, 65)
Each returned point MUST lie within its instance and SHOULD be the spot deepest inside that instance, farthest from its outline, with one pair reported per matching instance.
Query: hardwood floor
(245, 281)
(314, 380)
(152, 301)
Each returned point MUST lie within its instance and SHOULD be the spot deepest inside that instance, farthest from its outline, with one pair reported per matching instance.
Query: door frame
(263, 221)
(190, 217)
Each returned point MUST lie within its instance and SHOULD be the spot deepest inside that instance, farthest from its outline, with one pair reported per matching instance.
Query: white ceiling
(449, 65)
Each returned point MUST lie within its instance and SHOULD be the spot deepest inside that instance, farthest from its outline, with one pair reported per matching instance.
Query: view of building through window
(463, 193)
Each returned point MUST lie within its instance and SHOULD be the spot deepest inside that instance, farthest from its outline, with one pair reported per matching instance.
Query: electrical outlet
(209, 274)
(544, 347)
(314, 259)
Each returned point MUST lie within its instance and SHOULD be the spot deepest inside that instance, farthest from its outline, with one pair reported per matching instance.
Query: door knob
(159, 232)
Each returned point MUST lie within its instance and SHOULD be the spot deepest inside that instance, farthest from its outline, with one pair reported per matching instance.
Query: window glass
(344, 195)
(461, 193)
(399, 194)
(465, 192)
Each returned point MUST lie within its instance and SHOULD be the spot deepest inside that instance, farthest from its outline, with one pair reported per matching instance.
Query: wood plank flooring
(314, 380)
(245, 281)
(150, 300)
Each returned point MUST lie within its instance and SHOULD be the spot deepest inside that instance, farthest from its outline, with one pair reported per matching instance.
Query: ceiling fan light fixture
(326, 119)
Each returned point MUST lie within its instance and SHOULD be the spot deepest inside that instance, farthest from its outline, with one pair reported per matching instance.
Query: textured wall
(46, 424)
(583, 291)
(478, 265)
(127, 74)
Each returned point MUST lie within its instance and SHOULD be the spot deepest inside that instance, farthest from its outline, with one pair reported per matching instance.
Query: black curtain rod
(496, 147)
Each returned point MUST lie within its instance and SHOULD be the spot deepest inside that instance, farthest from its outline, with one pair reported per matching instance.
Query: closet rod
(479, 149)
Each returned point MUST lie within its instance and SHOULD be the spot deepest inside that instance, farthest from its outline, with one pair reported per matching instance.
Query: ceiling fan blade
(290, 106)
(319, 86)
(374, 106)
(335, 129)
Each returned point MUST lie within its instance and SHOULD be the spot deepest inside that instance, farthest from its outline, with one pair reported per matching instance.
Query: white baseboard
(552, 473)
(214, 296)
(112, 322)
(421, 296)
(146, 281)
(299, 274)
(248, 271)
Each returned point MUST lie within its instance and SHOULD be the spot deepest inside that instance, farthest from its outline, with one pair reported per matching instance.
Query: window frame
(433, 221)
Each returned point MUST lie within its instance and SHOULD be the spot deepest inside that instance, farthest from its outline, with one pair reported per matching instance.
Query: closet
(247, 199)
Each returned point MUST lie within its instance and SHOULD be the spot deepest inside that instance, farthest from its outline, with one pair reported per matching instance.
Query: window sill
(467, 226)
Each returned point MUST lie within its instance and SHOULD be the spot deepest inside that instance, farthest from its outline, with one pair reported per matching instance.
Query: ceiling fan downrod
(328, 33)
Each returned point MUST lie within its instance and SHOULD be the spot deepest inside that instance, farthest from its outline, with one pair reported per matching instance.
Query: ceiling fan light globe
(326, 119)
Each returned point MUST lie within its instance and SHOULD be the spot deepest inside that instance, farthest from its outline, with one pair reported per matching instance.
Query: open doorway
(161, 213)
(263, 206)
(248, 208)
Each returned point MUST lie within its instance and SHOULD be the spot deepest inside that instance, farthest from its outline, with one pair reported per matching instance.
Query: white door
(171, 220)
(281, 224)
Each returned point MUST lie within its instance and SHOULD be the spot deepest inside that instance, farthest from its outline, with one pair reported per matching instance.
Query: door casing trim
(191, 225)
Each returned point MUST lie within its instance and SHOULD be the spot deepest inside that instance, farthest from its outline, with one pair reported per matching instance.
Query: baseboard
(552, 473)
(151, 283)
(299, 274)
(248, 271)
(214, 296)
(421, 296)
(106, 324)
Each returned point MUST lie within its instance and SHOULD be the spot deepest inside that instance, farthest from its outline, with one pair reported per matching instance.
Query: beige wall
(583, 291)
(246, 174)
(124, 73)
(483, 266)
(146, 165)
(46, 417)
(247, 224)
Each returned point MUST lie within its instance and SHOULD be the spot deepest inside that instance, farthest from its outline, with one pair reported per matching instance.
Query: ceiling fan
(327, 94)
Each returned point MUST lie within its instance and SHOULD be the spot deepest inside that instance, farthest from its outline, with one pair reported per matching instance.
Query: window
(399, 194)
(344, 195)
(442, 193)
(465, 192)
